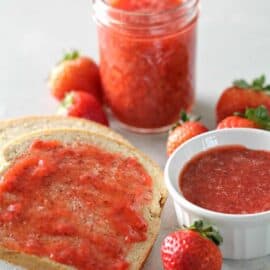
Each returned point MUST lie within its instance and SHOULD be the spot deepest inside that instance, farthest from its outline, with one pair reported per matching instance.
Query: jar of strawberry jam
(147, 59)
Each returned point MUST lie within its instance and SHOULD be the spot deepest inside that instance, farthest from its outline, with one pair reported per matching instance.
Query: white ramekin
(245, 236)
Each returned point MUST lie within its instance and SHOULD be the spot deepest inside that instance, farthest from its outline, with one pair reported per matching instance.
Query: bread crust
(139, 252)
(13, 128)
(31, 262)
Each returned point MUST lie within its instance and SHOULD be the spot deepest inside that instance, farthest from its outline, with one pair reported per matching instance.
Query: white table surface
(234, 41)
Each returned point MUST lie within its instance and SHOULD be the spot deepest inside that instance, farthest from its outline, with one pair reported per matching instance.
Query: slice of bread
(139, 251)
(13, 128)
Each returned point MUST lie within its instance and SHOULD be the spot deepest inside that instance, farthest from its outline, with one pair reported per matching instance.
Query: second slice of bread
(14, 128)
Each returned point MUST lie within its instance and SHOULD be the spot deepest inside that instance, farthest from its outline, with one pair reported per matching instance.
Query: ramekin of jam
(147, 59)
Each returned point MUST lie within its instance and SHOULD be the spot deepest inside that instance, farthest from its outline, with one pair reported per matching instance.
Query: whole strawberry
(252, 118)
(243, 95)
(193, 248)
(184, 130)
(84, 105)
(75, 72)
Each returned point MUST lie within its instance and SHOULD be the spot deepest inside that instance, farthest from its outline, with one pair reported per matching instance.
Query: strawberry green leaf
(65, 104)
(241, 84)
(71, 56)
(260, 116)
(257, 84)
(184, 116)
(207, 230)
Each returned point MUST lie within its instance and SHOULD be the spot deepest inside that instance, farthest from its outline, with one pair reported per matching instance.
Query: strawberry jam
(147, 56)
(78, 205)
(144, 5)
(231, 179)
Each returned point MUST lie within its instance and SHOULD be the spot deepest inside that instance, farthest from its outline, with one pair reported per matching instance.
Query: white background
(234, 41)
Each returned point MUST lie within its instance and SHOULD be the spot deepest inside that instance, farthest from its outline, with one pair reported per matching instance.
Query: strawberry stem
(258, 84)
(73, 55)
(207, 230)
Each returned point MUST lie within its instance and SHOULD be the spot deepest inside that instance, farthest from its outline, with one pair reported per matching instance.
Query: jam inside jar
(147, 59)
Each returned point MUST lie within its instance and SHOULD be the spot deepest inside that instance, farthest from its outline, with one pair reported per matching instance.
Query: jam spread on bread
(78, 205)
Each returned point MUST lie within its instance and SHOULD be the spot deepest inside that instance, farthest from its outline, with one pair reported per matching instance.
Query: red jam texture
(148, 79)
(231, 179)
(144, 5)
(77, 205)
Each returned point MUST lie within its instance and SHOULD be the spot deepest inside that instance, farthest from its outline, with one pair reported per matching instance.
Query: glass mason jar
(147, 63)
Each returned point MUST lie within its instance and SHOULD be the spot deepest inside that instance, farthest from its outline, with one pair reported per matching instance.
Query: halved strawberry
(243, 95)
